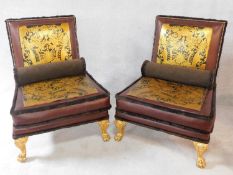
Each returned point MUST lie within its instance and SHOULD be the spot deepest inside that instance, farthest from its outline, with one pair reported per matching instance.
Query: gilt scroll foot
(120, 126)
(201, 148)
(21, 144)
(104, 124)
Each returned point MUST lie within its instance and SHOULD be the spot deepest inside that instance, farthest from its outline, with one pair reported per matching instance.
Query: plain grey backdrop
(115, 37)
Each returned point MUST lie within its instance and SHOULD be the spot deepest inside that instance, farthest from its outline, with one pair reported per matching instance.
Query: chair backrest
(42, 40)
(190, 42)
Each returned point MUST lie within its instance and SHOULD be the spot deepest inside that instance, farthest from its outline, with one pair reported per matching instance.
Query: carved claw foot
(106, 137)
(21, 144)
(201, 148)
(104, 124)
(120, 125)
(118, 137)
(201, 162)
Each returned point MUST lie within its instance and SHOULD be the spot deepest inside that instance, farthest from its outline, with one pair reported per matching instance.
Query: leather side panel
(58, 123)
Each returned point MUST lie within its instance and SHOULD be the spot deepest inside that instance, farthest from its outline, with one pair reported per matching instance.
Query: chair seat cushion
(180, 97)
(49, 94)
(46, 92)
(168, 104)
(58, 99)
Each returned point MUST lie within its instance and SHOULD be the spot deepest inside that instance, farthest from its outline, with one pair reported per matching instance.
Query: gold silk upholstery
(57, 89)
(45, 43)
(178, 45)
(185, 96)
(184, 45)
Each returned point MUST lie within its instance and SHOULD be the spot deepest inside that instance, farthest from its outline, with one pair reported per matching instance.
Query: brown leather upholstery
(133, 109)
(55, 103)
(172, 107)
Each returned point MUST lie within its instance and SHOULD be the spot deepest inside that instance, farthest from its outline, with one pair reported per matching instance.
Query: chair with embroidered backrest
(53, 89)
(177, 90)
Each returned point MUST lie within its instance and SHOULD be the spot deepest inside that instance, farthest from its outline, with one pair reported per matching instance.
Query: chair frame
(14, 41)
(212, 64)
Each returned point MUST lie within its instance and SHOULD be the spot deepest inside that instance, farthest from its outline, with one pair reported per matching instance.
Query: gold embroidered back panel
(57, 89)
(184, 45)
(42, 44)
(45, 43)
(185, 96)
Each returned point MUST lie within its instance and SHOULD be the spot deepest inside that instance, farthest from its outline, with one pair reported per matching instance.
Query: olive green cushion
(179, 74)
(42, 72)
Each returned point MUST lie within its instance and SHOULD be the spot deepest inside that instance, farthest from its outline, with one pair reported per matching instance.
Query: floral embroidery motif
(45, 44)
(181, 95)
(184, 45)
(57, 89)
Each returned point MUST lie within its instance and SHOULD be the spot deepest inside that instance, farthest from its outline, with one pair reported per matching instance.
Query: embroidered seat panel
(57, 89)
(176, 94)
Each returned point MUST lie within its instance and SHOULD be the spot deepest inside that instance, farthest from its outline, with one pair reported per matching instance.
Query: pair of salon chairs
(176, 93)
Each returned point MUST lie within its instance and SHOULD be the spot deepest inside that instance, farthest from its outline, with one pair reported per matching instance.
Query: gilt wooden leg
(21, 144)
(120, 125)
(104, 124)
(201, 148)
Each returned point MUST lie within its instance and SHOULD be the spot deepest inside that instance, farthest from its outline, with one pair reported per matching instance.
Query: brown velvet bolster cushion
(42, 72)
(179, 74)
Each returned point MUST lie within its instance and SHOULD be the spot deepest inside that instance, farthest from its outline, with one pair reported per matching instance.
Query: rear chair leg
(120, 125)
(21, 144)
(201, 148)
(104, 124)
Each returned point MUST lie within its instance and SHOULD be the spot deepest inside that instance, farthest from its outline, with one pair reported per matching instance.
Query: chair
(191, 45)
(44, 51)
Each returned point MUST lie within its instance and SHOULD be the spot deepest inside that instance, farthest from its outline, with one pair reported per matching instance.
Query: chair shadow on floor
(85, 142)
(222, 141)
(224, 156)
